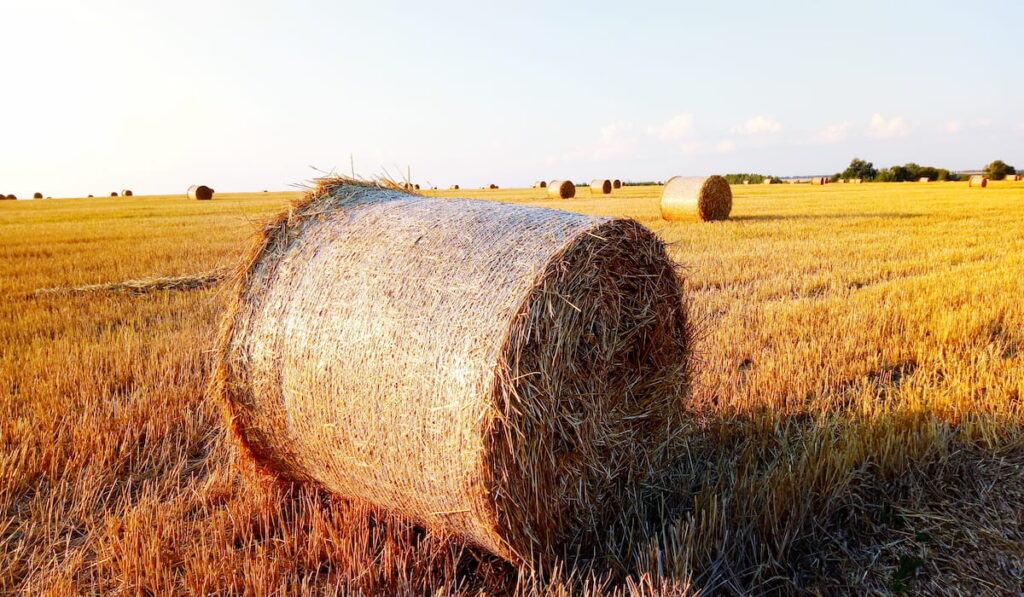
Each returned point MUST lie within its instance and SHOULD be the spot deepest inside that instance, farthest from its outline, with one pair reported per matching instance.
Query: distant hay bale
(416, 186)
(12, 197)
(768, 181)
(509, 374)
(856, 180)
(977, 181)
(37, 195)
(454, 187)
(616, 184)
(708, 198)
(113, 194)
(492, 186)
(924, 179)
(600, 187)
(561, 189)
(540, 184)
(126, 193)
(200, 193)
(1012, 178)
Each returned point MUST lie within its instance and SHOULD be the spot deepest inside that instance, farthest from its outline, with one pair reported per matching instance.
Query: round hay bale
(88, 196)
(12, 197)
(540, 184)
(616, 184)
(561, 189)
(977, 181)
(200, 193)
(113, 194)
(600, 187)
(705, 198)
(127, 193)
(454, 187)
(492, 186)
(37, 195)
(510, 374)
(924, 179)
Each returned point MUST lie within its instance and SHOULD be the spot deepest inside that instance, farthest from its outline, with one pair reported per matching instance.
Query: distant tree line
(866, 171)
(751, 178)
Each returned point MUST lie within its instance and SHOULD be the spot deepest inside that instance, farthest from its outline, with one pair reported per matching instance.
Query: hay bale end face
(540, 184)
(424, 355)
(37, 195)
(492, 186)
(600, 187)
(707, 199)
(454, 187)
(200, 193)
(127, 193)
(113, 194)
(977, 182)
(12, 197)
(561, 189)
(616, 184)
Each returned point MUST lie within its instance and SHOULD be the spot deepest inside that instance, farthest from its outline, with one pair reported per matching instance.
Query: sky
(243, 96)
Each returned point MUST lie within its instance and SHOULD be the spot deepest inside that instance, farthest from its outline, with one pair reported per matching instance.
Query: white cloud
(834, 133)
(614, 140)
(689, 147)
(887, 128)
(678, 127)
(756, 126)
(958, 126)
(725, 146)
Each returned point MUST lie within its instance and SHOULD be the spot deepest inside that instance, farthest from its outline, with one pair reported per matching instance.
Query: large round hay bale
(977, 181)
(510, 374)
(600, 187)
(561, 189)
(12, 197)
(616, 184)
(704, 198)
(113, 194)
(127, 193)
(200, 193)
(37, 195)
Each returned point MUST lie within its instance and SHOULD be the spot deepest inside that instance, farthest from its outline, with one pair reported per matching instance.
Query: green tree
(998, 170)
(859, 168)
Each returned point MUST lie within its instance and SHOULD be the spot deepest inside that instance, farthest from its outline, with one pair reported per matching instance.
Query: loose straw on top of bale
(561, 189)
(200, 193)
(977, 181)
(510, 374)
(600, 187)
(704, 198)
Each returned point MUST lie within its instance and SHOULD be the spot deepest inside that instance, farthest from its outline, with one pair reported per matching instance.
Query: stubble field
(857, 422)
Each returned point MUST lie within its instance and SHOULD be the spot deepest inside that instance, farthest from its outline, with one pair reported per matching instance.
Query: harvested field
(855, 424)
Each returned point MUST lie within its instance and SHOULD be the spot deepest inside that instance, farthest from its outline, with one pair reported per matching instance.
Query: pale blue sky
(154, 96)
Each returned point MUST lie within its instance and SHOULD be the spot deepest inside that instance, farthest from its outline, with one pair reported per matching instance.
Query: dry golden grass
(857, 423)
